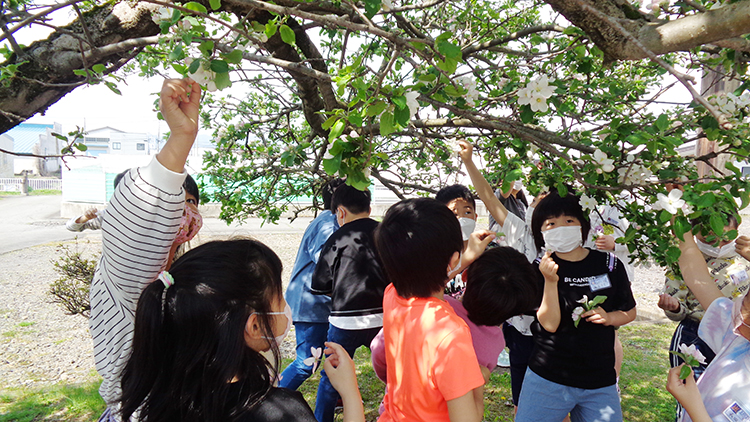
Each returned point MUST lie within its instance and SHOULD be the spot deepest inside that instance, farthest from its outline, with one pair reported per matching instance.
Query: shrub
(71, 290)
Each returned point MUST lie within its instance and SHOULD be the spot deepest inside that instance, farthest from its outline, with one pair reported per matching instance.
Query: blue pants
(350, 340)
(544, 400)
(309, 334)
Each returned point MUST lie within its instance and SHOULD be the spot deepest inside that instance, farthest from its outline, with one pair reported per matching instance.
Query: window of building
(116, 145)
(140, 147)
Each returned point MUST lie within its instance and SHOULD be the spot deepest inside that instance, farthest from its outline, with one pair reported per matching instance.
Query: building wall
(6, 160)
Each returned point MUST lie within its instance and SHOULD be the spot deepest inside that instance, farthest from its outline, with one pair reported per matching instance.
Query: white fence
(15, 184)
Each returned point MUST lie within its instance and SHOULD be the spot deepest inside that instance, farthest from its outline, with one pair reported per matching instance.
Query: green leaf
(60, 137)
(270, 29)
(717, 223)
(176, 54)
(375, 108)
(514, 175)
(681, 226)
(222, 81)
(596, 301)
(179, 68)
(662, 123)
(673, 254)
(219, 66)
(386, 124)
(112, 87)
(664, 216)
(98, 68)
(448, 49)
(195, 7)
(527, 114)
(685, 372)
(332, 165)
(235, 57)
(194, 66)
(429, 77)
(215, 4)
(401, 116)
(329, 122)
(448, 66)
(287, 35)
(355, 118)
(81, 147)
(206, 48)
(562, 189)
(336, 130)
(372, 7)
(399, 101)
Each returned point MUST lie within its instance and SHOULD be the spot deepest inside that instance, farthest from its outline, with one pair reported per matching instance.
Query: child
(200, 331)
(730, 273)
(723, 391)
(571, 369)
(433, 373)
(309, 311)
(459, 199)
(147, 219)
(349, 271)
(498, 289)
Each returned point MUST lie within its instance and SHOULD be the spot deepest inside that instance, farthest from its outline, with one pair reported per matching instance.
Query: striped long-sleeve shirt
(138, 230)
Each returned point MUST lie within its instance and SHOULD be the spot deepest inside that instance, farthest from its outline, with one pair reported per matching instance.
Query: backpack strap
(611, 261)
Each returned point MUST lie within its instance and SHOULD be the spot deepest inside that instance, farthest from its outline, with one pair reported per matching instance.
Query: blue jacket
(307, 307)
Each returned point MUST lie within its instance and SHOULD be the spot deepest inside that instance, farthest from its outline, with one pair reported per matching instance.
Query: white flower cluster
(728, 103)
(470, 84)
(412, 103)
(587, 202)
(633, 174)
(164, 14)
(672, 203)
(536, 94)
(656, 5)
(606, 164)
(204, 77)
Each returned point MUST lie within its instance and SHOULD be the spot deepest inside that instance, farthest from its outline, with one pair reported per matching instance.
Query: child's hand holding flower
(692, 357)
(590, 310)
(548, 268)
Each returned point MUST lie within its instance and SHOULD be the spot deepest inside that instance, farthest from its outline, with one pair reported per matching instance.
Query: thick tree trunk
(47, 72)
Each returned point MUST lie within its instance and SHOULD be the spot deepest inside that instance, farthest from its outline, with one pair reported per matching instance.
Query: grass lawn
(644, 397)
(34, 192)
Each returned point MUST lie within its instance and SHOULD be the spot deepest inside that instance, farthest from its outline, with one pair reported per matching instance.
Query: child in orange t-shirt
(433, 373)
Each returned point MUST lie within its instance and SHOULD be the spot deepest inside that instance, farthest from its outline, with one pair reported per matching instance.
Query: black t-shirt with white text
(583, 356)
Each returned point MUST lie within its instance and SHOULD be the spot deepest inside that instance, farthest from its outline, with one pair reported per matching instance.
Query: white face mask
(725, 251)
(562, 239)
(467, 227)
(517, 185)
(288, 314)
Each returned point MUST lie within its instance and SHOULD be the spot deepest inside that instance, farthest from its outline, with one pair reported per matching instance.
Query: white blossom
(164, 14)
(386, 5)
(540, 87)
(692, 351)
(470, 84)
(607, 164)
(204, 77)
(671, 203)
(634, 174)
(327, 155)
(536, 93)
(412, 103)
(367, 172)
(587, 202)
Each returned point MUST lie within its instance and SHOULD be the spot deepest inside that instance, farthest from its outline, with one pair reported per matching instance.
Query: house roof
(26, 135)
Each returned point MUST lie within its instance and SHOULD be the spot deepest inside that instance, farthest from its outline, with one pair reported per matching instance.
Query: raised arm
(484, 190)
(180, 106)
(695, 273)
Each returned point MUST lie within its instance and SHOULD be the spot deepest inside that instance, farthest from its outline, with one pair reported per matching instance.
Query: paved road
(27, 221)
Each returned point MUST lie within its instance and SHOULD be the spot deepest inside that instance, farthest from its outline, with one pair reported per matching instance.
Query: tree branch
(468, 51)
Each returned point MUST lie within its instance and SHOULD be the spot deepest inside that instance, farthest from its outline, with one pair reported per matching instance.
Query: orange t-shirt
(429, 355)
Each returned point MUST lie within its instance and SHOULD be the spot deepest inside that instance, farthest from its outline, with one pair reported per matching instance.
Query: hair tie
(166, 278)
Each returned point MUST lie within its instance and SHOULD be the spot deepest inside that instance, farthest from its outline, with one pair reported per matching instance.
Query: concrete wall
(6, 160)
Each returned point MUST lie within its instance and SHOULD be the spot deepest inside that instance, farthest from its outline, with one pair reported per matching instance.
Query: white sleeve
(518, 236)
(716, 323)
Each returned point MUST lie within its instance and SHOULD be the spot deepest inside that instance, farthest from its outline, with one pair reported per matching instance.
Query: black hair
(501, 284)
(416, 241)
(120, 176)
(449, 193)
(327, 191)
(355, 200)
(192, 188)
(522, 197)
(189, 185)
(554, 205)
(189, 342)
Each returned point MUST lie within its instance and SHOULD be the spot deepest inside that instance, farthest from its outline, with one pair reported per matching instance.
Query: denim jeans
(350, 340)
(309, 334)
(544, 400)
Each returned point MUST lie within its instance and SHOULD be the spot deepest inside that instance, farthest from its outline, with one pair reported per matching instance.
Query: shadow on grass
(55, 403)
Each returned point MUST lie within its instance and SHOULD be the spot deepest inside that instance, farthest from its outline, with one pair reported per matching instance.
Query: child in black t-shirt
(349, 271)
(571, 369)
